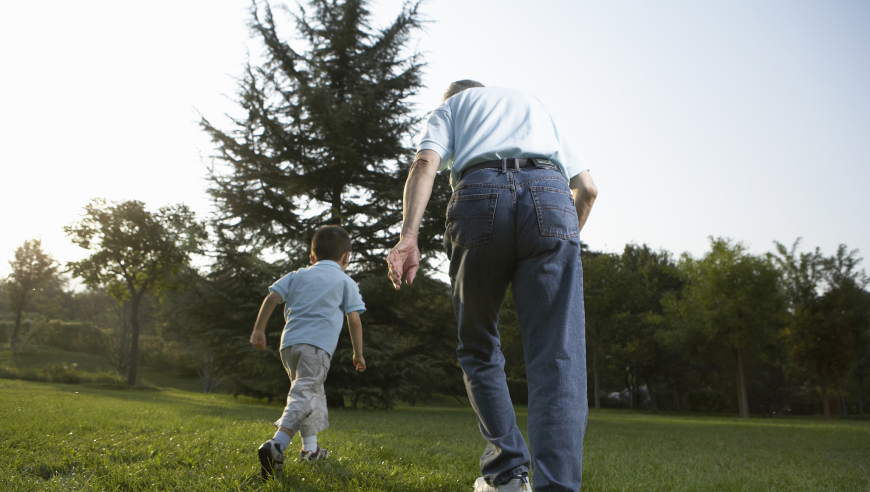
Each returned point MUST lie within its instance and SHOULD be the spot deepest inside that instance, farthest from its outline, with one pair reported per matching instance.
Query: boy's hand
(359, 363)
(258, 339)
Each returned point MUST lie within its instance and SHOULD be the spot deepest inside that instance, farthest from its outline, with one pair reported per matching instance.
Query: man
(511, 221)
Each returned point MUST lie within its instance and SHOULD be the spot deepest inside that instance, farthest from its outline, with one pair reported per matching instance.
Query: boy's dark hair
(330, 243)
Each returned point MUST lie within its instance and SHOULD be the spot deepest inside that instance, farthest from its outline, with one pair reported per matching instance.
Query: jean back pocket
(557, 215)
(469, 219)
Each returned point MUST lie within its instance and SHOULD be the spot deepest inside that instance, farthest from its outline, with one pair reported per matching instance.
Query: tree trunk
(14, 341)
(595, 376)
(123, 353)
(861, 397)
(654, 406)
(134, 342)
(787, 397)
(335, 212)
(826, 405)
(742, 400)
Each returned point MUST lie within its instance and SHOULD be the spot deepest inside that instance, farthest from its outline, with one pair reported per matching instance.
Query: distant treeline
(785, 332)
(730, 331)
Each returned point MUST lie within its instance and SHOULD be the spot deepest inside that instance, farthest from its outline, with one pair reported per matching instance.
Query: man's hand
(585, 192)
(258, 339)
(359, 363)
(404, 259)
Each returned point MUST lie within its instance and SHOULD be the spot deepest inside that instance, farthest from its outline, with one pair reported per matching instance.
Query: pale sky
(742, 119)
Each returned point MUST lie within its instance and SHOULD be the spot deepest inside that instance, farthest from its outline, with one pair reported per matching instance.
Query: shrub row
(61, 373)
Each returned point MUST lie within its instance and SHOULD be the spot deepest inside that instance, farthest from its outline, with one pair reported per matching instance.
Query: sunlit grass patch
(74, 437)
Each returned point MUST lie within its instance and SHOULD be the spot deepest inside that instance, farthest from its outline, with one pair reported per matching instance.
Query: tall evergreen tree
(326, 136)
(326, 139)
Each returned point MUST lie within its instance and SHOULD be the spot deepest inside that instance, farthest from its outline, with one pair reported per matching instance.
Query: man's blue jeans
(519, 227)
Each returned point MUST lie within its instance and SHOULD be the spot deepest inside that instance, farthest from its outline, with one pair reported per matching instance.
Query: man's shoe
(519, 484)
(271, 459)
(320, 454)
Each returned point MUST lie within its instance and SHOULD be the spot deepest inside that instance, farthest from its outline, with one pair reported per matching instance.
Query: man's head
(459, 86)
(331, 243)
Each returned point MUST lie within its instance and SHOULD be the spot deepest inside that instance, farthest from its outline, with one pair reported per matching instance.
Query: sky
(742, 119)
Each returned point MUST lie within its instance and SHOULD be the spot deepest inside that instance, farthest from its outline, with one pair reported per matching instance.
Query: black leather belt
(512, 163)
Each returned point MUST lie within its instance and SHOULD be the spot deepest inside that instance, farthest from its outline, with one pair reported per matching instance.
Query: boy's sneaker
(271, 459)
(519, 484)
(320, 454)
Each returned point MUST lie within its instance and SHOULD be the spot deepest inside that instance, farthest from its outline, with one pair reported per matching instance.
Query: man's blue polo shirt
(317, 299)
(491, 123)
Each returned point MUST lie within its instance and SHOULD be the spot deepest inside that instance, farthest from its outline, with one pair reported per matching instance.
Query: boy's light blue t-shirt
(317, 299)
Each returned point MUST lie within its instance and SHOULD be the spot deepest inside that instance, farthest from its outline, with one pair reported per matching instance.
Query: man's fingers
(403, 261)
(394, 265)
(411, 274)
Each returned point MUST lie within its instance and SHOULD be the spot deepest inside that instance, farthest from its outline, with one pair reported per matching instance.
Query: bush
(519, 390)
(61, 373)
(707, 400)
(7, 327)
(6, 331)
(72, 336)
(160, 353)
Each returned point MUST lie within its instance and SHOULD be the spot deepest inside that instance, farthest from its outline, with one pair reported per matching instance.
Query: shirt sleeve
(352, 299)
(282, 286)
(439, 135)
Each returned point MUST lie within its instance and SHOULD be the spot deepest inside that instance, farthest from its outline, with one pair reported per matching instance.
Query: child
(316, 299)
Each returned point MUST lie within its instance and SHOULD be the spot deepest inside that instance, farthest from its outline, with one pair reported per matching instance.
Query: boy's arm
(355, 326)
(258, 337)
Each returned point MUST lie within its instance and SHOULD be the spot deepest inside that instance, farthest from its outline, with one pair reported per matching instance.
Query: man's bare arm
(404, 258)
(585, 192)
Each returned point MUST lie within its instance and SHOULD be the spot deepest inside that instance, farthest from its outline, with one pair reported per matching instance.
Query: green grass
(84, 437)
(625, 451)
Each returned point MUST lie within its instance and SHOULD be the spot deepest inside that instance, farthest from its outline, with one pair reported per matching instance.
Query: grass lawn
(87, 437)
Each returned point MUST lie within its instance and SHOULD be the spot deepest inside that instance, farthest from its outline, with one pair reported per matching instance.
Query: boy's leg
(306, 372)
(318, 419)
(304, 364)
(309, 443)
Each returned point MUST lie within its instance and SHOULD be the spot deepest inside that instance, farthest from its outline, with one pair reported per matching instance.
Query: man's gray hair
(459, 86)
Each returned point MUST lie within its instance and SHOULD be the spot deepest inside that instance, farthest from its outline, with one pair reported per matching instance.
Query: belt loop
(504, 165)
(516, 163)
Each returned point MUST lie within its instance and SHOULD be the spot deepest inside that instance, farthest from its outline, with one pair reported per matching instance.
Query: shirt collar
(328, 262)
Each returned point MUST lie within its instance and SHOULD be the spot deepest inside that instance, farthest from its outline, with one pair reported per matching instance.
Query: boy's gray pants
(306, 411)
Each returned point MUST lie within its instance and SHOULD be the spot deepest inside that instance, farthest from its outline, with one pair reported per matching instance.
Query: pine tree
(326, 137)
